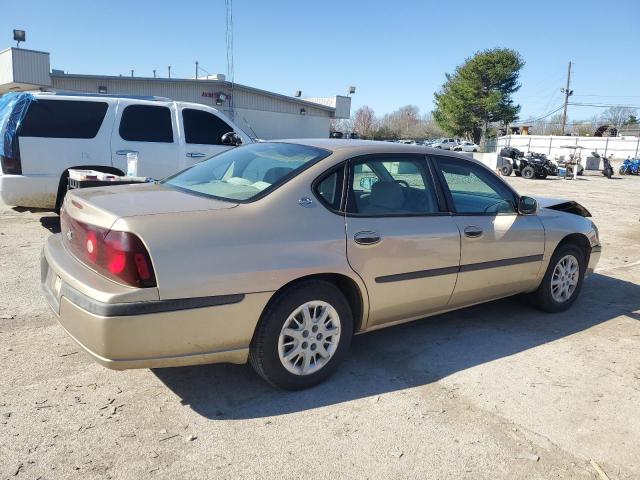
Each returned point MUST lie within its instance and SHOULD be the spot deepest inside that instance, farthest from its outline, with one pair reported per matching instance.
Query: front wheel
(506, 169)
(303, 336)
(563, 280)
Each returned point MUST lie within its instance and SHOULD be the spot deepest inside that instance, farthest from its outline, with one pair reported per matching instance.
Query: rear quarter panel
(254, 247)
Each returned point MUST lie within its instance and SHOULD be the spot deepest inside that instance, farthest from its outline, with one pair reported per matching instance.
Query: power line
(542, 117)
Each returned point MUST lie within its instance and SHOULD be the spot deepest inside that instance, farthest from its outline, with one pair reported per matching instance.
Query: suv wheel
(303, 336)
(563, 280)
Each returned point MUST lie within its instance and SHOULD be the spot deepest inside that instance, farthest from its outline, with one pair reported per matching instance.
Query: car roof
(366, 146)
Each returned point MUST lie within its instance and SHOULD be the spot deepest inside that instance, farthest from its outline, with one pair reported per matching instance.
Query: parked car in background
(265, 253)
(445, 143)
(466, 147)
(56, 132)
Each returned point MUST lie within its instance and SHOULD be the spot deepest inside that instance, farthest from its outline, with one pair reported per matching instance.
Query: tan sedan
(279, 252)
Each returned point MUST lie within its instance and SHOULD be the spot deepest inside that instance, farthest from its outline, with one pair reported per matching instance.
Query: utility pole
(196, 69)
(169, 69)
(567, 94)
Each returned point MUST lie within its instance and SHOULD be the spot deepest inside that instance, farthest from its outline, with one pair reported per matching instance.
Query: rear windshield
(247, 173)
(63, 119)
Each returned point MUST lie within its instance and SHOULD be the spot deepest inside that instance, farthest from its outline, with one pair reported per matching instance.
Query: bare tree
(364, 122)
(618, 116)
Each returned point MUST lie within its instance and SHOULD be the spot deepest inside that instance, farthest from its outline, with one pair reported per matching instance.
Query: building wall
(22, 69)
(269, 125)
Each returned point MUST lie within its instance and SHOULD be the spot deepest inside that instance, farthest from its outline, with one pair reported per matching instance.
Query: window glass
(245, 172)
(63, 119)
(146, 123)
(330, 188)
(475, 190)
(391, 186)
(203, 127)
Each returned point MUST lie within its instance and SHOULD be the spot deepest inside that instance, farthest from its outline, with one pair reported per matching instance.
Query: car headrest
(387, 194)
(276, 173)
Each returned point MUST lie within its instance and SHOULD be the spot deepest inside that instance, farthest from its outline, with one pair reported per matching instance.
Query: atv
(533, 165)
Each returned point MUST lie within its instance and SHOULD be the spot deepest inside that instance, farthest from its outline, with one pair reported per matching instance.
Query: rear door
(202, 134)
(150, 130)
(57, 134)
(399, 240)
(501, 250)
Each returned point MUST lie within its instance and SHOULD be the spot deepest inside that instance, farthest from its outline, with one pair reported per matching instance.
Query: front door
(501, 250)
(203, 131)
(149, 130)
(399, 239)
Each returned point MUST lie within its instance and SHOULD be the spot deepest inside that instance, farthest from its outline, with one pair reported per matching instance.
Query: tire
(269, 346)
(506, 169)
(622, 170)
(475, 150)
(581, 172)
(543, 298)
(528, 173)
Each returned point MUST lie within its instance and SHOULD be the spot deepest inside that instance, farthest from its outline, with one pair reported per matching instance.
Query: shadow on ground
(51, 223)
(405, 356)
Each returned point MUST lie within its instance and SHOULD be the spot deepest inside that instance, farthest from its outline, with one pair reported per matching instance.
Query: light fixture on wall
(303, 111)
(102, 89)
(221, 98)
(19, 36)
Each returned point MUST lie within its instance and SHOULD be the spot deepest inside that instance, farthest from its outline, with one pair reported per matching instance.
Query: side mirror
(527, 206)
(231, 138)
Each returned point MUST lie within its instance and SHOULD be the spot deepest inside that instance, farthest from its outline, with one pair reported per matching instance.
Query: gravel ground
(494, 391)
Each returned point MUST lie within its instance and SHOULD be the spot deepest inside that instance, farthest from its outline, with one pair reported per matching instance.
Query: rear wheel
(506, 169)
(528, 173)
(562, 282)
(303, 336)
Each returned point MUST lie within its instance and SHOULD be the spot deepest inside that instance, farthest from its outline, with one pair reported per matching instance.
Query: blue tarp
(13, 108)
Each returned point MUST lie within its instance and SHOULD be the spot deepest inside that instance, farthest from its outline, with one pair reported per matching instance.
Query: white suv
(445, 144)
(56, 132)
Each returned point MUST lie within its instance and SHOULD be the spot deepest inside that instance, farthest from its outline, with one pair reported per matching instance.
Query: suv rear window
(146, 123)
(63, 119)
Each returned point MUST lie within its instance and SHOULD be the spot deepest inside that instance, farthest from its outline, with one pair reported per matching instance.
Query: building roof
(194, 81)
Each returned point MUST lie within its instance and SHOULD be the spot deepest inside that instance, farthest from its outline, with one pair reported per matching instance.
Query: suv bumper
(36, 191)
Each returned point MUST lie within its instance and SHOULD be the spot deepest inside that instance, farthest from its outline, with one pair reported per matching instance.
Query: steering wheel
(404, 183)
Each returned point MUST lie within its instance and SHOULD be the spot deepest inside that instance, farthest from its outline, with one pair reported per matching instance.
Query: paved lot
(494, 391)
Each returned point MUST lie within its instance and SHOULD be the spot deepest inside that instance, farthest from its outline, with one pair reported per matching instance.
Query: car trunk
(102, 206)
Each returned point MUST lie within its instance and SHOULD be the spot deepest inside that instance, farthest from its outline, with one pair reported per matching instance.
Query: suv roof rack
(111, 95)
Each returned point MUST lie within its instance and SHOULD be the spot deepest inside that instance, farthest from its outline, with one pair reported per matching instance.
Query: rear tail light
(11, 165)
(120, 256)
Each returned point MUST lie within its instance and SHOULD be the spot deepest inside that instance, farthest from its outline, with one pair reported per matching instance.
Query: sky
(395, 53)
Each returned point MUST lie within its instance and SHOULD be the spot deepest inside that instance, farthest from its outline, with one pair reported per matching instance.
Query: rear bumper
(148, 333)
(36, 191)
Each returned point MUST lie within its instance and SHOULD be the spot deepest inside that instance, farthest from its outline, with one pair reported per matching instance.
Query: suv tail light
(120, 256)
(11, 165)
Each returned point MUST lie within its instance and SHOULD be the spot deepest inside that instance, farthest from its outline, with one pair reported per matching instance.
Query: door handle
(472, 231)
(196, 155)
(124, 152)
(366, 237)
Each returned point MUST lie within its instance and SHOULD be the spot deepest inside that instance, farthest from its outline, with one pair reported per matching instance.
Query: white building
(260, 113)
